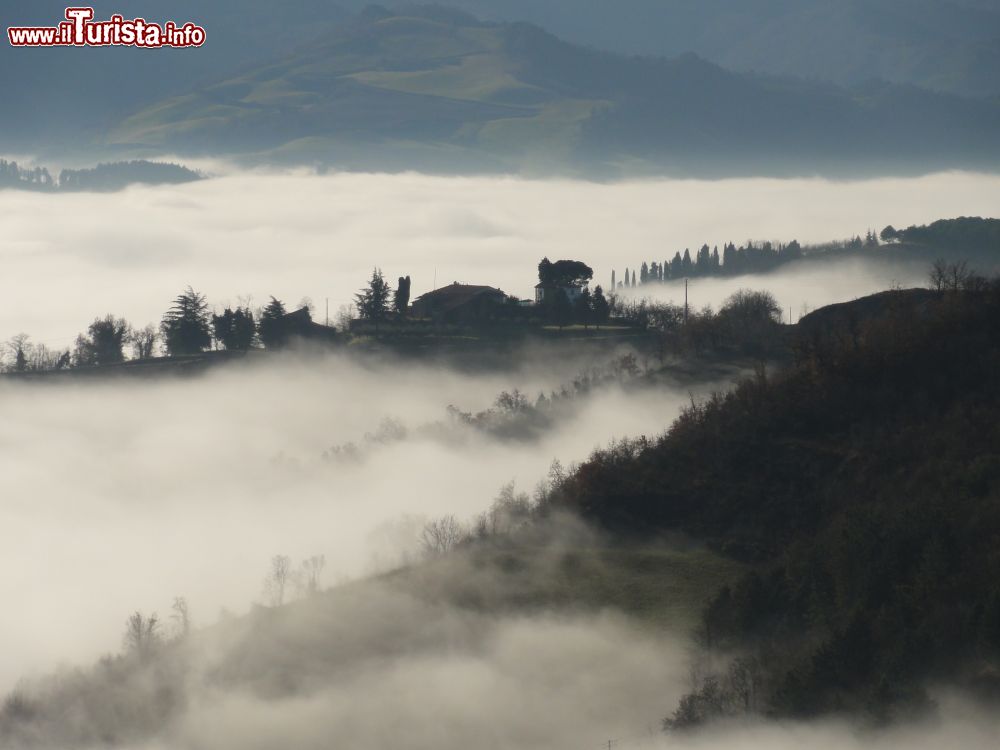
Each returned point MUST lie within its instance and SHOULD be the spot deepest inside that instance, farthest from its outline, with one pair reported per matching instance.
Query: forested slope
(864, 484)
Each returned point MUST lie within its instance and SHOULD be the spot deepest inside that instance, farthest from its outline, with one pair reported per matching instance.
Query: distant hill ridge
(432, 88)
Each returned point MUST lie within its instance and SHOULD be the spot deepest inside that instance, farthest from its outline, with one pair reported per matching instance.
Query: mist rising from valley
(124, 495)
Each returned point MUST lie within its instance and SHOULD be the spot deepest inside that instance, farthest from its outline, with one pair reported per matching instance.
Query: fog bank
(69, 258)
(120, 495)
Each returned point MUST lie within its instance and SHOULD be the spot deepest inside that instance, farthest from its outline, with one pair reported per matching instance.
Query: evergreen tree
(235, 329)
(686, 265)
(677, 267)
(644, 273)
(401, 300)
(373, 301)
(186, 326)
(273, 327)
(601, 308)
(545, 272)
(704, 261)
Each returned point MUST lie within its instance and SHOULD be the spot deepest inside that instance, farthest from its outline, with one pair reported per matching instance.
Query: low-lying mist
(70, 258)
(799, 287)
(121, 494)
(379, 667)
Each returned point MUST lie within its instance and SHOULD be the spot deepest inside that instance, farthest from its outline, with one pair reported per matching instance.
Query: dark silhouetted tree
(235, 329)
(401, 299)
(559, 307)
(103, 343)
(273, 329)
(143, 341)
(186, 327)
(602, 310)
(373, 301)
(19, 348)
(564, 273)
(545, 271)
(686, 266)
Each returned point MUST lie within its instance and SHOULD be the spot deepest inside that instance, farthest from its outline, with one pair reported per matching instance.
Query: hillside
(944, 45)
(432, 613)
(436, 89)
(60, 100)
(864, 483)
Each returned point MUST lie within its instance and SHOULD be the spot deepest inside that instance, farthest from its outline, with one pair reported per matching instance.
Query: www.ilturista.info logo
(80, 30)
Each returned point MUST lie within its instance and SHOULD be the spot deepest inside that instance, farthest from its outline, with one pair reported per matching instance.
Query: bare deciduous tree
(955, 277)
(142, 634)
(511, 510)
(276, 582)
(441, 536)
(19, 350)
(342, 320)
(312, 570)
(143, 341)
(181, 616)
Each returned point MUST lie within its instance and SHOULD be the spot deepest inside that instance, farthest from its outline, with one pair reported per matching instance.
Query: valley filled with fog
(121, 494)
(125, 495)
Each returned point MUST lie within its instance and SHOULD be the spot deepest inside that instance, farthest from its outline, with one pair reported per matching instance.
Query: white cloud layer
(69, 258)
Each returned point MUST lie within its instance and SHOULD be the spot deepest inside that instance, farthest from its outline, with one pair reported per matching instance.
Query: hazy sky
(69, 258)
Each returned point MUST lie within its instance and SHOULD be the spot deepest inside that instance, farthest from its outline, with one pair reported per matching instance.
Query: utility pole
(685, 301)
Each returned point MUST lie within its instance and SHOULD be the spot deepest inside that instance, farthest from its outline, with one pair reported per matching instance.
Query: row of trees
(112, 176)
(733, 261)
(965, 234)
(189, 327)
(16, 176)
(752, 257)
